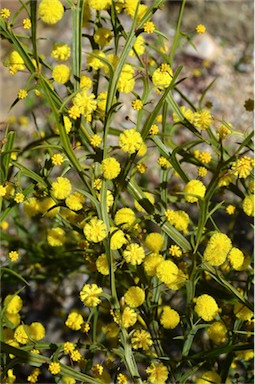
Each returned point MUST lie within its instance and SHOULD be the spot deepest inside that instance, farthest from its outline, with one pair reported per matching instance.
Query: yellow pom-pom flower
(50, 11)
(130, 141)
(151, 263)
(217, 249)
(243, 167)
(95, 62)
(99, 5)
(151, 199)
(102, 264)
(89, 295)
(200, 28)
(117, 238)
(248, 205)
(56, 237)
(103, 36)
(169, 318)
(13, 255)
(217, 332)
(206, 307)
(126, 80)
(194, 187)
(154, 242)
(141, 339)
(236, 258)
(110, 168)
(167, 272)
(202, 119)
(37, 331)
(61, 73)
(209, 377)
(158, 373)
(125, 218)
(242, 312)
(95, 230)
(134, 297)
(61, 188)
(61, 51)
(75, 201)
(74, 321)
(54, 368)
(134, 254)
(13, 304)
(162, 76)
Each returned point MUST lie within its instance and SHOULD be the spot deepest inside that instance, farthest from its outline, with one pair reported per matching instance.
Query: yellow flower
(13, 255)
(150, 197)
(248, 205)
(236, 258)
(149, 27)
(95, 141)
(31, 206)
(230, 209)
(13, 304)
(5, 13)
(134, 254)
(205, 157)
(37, 331)
(75, 355)
(141, 339)
(57, 159)
(175, 251)
(68, 347)
(154, 242)
(54, 368)
(26, 23)
(169, 318)
(74, 112)
(85, 82)
(50, 11)
(242, 312)
(85, 102)
(243, 167)
(61, 73)
(162, 76)
(21, 334)
(117, 238)
(209, 377)
(102, 264)
(95, 230)
(217, 332)
(99, 5)
(3, 190)
(194, 187)
(68, 380)
(151, 263)
(16, 63)
(103, 36)
(122, 379)
(158, 373)
(130, 9)
(22, 94)
(206, 307)
(33, 377)
(127, 319)
(187, 114)
(110, 168)
(130, 141)
(19, 198)
(223, 131)
(167, 272)
(202, 119)
(75, 201)
(125, 218)
(61, 51)
(202, 171)
(126, 80)
(74, 321)
(137, 104)
(217, 249)
(134, 297)
(89, 295)
(46, 205)
(95, 62)
(56, 237)
(154, 129)
(13, 318)
(200, 28)
(138, 46)
(61, 188)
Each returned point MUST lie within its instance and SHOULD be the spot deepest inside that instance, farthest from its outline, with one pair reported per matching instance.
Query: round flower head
(56, 237)
(85, 102)
(89, 295)
(61, 51)
(158, 373)
(128, 317)
(151, 263)
(242, 312)
(21, 334)
(206, 307)
(130, 141)
(54, 368)
(74, 321)
(126, 80)
(103, 36)
(99, 5)
(134, 254)
(95, 230)
(209, 377)
(61, 188)
(217, 332)
(236, 258)
(37, 331)
(194, 187)
(86, 82)
(243, 167)
(169, 318)
(117, 238)
(154, 242)
(217, 249)
(102, 264)
(202, 119)
(179, 219)
(13, 304)
(95, 62)
(200, 28)
(46, 207)
(167, 272)
(61, 74)
(162, 76)
(50, 11)
(110, 168)
(130, 9)
(138, 46)
(13, 318)
(248, 205)
(31, 206)
(15, 62)
(134, 297)
(125, 218)
(141, 339)
(75, 201)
